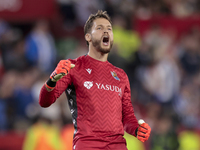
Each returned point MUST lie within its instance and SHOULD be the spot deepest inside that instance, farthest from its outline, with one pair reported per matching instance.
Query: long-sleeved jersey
(100, 102)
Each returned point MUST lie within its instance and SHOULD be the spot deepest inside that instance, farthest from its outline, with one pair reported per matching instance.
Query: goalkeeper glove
(143, 132)
(61, 70)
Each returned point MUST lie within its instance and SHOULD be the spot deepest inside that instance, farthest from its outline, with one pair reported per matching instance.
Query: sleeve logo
(88, 84)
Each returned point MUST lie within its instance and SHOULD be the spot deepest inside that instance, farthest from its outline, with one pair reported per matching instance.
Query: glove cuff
(50, 84)
(136, 130)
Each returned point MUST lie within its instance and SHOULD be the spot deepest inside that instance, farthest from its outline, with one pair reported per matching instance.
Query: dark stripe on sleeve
(71, 96)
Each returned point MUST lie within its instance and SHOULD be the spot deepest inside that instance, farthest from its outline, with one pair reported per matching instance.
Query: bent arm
(48, 97)
(129, 120)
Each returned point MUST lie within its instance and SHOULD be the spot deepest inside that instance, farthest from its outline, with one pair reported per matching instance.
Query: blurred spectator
(190, 55)
(126, 8)
(80, 49)
(142, 10)
(23, 98)
(67, 10)
(3, 27)
(187, 105)
(16, 58)
(161, 77)
(43, 136)
(142, 58)
(189, 139)
(7, 86)
(179, 8)
(164, 135)
(183, 8)
(65, 46)
(47, 123)
(3, 115)
(12, 49)
(151, 114)
(86, 7)
(67, 136)
(126, 41)
(40, 47)
(117, 59)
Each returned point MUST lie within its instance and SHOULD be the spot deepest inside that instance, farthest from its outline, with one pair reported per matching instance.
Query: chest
(101, 81)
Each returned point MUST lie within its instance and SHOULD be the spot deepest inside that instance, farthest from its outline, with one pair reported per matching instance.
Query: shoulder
(116, 71)
(77, 60)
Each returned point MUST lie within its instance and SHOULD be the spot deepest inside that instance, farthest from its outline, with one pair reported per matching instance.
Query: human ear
(88, 37)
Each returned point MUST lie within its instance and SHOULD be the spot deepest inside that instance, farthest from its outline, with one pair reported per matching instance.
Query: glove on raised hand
(143, 132)
(61, 70)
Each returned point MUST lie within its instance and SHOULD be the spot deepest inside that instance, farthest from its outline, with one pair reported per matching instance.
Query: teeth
(106, 41)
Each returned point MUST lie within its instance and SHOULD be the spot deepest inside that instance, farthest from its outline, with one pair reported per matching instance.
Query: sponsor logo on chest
(107, 87)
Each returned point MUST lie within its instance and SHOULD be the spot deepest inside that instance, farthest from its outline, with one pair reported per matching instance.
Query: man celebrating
(98, 93)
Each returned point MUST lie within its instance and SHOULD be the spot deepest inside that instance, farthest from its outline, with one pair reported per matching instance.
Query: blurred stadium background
(157, 43)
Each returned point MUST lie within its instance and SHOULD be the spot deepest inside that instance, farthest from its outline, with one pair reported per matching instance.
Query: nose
(105, 31)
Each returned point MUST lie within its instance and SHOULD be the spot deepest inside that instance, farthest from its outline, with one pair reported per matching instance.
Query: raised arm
(57, 83)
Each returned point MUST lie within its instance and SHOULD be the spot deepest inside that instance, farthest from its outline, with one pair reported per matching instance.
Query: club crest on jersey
(115, 75)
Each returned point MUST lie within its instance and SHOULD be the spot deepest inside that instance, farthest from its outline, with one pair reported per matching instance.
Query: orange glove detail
(61, 70)
(143, 132)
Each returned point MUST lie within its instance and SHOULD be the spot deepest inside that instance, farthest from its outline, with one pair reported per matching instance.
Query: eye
(110, 29)
(99, 28)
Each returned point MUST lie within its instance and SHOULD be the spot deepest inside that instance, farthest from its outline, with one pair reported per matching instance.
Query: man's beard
(97, 45)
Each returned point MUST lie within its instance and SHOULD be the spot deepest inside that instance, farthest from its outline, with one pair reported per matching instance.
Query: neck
(97, 55)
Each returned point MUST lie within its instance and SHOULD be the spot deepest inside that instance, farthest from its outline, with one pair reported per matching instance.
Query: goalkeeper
(98, 93)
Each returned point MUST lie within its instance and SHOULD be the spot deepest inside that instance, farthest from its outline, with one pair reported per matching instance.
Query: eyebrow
(106, 26)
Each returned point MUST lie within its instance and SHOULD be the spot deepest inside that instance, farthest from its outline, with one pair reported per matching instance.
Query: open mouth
(105, 40)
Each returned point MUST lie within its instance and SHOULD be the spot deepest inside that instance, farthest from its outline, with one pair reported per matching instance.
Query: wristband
(50, 84)
(136, 130)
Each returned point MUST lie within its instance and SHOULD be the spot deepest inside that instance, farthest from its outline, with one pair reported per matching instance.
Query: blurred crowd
(76, 12)
(163, 69)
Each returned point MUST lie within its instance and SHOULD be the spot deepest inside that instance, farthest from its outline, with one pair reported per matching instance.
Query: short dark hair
(92, 17)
